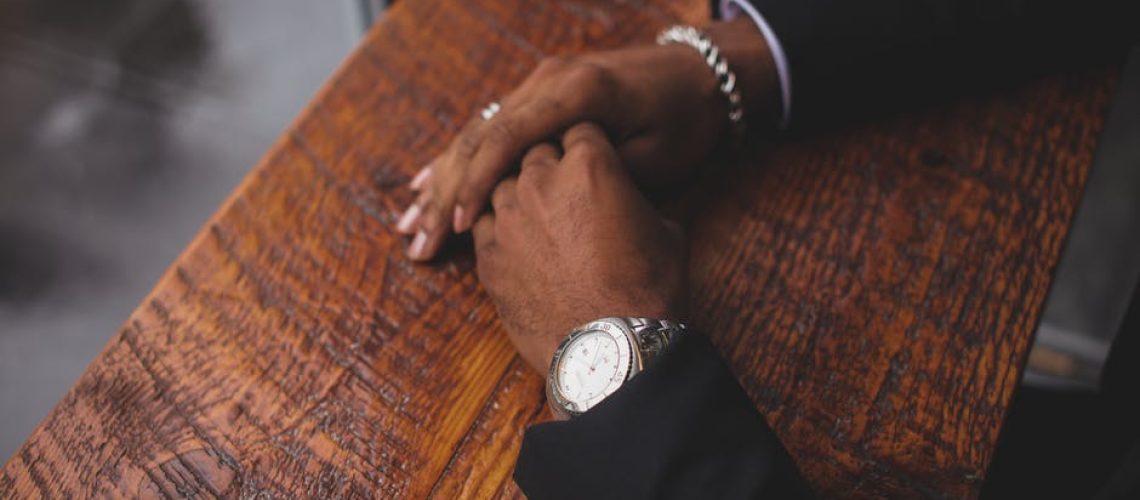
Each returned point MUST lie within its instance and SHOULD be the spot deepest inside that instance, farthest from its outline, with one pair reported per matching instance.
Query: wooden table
(875, 289)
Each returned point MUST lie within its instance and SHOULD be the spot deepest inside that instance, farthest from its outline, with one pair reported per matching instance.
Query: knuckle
(436, 221)
(586, 154)
(586, 74)
(480, 229)
(485, 245)
(500, 132)
(484, 239)
(429, 218)
(467, 143)
(441, 198)
(548, 105)
(498, 199)
(529, 193)
(589, 79)
(504, 196)
(469, 192)
(465, 195)
(528, 178)
(550, 64)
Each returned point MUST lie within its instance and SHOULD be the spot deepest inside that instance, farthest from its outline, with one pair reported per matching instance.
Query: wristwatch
(598, 357)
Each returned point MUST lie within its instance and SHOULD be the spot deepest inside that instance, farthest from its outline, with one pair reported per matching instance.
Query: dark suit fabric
(683, 428)
(851, 58)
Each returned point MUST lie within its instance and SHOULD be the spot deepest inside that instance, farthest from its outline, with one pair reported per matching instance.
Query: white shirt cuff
(731, 9)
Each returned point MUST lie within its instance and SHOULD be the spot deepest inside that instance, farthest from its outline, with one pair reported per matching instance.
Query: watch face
(592, 366)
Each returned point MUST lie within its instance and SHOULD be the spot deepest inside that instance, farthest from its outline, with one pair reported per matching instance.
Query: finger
(464, 149)
(466, 143)
(542, 155)
(538, 161)
(422, 177)
(426, 243)
(410, 220)
(430, 231)
(587, 138)
(586, 146)
(444, 176)
(505, 196)
(483, 232)
(486, 263)
(413, 218)
(423, 218)
(534, 173)
(505, 137)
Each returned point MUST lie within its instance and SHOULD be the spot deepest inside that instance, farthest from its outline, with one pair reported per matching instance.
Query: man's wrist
(747, 52)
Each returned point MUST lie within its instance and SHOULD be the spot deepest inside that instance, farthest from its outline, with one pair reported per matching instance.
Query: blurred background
(124, 123)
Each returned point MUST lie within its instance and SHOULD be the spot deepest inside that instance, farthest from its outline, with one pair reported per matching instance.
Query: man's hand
(572, 240)
(659, 105)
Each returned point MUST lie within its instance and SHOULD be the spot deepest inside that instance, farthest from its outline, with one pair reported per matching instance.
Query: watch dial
(591, 368)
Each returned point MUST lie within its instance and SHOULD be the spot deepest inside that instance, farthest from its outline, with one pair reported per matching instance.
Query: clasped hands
(549, 186)
(569, 240)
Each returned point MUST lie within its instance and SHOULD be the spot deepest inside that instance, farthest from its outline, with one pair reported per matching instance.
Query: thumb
(587, 145)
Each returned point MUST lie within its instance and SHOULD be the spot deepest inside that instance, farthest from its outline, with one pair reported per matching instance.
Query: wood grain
(903, 266)
(874, 289)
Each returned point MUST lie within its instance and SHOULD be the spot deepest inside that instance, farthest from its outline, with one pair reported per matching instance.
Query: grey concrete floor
(123, 125)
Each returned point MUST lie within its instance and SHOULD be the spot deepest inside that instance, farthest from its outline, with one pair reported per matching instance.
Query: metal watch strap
(654, 335)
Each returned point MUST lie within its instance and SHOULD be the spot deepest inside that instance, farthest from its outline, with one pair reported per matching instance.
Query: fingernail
(420, 179)
(408, 220)
(459, 221)
(416, 250)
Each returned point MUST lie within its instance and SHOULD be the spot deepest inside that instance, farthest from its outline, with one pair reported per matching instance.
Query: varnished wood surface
(875, 290)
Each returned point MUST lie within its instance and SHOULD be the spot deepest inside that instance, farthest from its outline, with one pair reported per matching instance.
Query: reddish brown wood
(875, 290)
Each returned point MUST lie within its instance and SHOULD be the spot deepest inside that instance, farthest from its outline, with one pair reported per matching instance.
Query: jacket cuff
(683, 427)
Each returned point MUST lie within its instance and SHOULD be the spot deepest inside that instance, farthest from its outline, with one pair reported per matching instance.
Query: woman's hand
(659, 105)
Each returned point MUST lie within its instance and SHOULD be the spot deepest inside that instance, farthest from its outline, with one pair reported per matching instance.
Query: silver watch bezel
(618, 329)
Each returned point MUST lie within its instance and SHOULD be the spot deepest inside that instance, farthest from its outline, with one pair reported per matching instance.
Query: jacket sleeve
(683, 428)
(848, 58)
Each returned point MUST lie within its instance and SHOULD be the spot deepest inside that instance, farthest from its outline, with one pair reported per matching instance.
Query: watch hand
(597, 350)
(581, 383)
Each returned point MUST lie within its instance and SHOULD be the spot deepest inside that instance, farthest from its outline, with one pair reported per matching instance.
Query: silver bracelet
(692, 37)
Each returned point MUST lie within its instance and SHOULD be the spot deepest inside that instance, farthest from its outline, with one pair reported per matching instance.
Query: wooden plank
(903, 266)
(874, 289)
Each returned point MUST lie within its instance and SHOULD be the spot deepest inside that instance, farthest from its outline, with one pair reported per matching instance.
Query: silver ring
(491, 110)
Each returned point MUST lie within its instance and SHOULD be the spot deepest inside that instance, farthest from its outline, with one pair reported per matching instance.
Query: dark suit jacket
(684, 428)
(849, 58)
